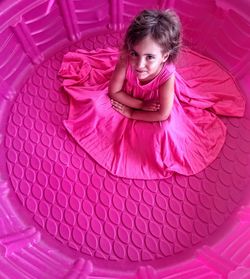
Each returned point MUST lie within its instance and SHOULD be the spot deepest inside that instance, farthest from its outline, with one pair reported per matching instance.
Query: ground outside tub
(64, 216)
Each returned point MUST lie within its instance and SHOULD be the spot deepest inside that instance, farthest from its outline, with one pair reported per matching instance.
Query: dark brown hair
(164, 27)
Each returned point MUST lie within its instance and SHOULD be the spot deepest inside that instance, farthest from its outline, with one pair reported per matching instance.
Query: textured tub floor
(81, 205)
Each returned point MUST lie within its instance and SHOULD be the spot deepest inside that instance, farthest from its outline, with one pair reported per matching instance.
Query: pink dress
(186, 143)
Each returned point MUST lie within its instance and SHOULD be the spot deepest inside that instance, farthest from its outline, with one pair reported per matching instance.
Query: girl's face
(147, 58)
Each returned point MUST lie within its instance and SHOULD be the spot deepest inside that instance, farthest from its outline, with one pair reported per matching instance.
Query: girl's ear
(165, 56)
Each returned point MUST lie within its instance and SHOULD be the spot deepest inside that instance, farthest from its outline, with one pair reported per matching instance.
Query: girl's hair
(164, 27)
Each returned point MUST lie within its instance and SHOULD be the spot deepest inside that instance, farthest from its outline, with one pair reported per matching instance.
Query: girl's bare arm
(115, 87)
(166, 98)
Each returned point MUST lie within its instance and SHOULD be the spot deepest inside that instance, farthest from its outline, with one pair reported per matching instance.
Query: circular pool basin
(64, 216)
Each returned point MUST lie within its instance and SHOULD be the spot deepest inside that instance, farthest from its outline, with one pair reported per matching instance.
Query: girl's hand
(122, 109)
(150, 106)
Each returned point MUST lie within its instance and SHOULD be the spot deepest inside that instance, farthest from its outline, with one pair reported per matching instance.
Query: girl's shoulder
(167, 70)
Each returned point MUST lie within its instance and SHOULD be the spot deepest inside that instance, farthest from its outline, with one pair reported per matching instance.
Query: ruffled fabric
(186, 143)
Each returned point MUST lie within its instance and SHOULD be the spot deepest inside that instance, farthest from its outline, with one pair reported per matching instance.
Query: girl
(152, 39)
(144, 119)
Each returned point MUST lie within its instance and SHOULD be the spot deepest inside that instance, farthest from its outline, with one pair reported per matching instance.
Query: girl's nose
(140, 63)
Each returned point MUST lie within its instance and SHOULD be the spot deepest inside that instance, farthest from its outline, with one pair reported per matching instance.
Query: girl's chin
(145, 76)
(142, 76)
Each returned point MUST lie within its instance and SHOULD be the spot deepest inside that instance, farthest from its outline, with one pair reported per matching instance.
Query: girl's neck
(144, 82)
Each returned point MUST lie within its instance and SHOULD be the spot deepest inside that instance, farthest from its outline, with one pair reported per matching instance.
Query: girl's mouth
(140, 72)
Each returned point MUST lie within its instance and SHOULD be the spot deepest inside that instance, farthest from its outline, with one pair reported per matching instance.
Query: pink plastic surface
(64, 216)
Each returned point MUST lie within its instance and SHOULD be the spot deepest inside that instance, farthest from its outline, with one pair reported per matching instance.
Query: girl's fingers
(118, 110)
(154, 107)
(157, 106)
(151, 106)
(115, 108)
(116, 104)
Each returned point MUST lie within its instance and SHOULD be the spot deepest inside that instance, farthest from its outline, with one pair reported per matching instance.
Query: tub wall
(30, 31)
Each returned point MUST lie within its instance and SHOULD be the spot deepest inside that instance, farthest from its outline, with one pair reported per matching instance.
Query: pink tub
(64, 216)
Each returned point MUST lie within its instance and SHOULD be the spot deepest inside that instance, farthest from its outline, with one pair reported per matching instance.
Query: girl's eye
(133, 53)
(150, 57)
